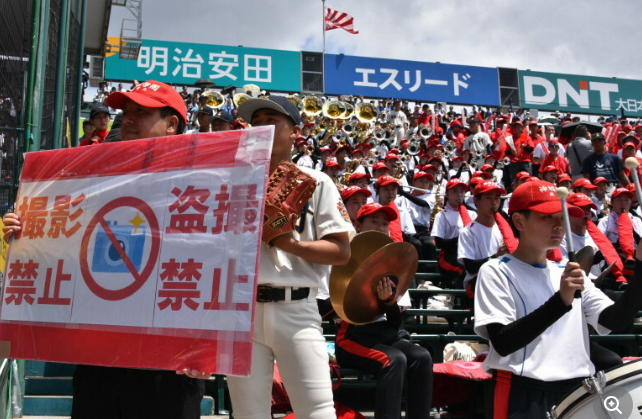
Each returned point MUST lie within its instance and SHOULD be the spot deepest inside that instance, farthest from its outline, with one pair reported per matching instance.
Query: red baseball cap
(533, 122)
(301, 142)
(620, 191)
(359, 175)
(373, 207)
(481, 174)
(429, 167)
(580, 200)
(379, 165)
(474, 181)
(333, 163)
(421, 174)
(487, 166)
(563, 177)
(358, 150)
(488, 186)
(150, 94)
(517, 123)
(600, 180)
(455, 124)
(583, 183)
(539, 196)
(386, 180)
(549, 168)
(391, 156)
(453, 183)
(629, 144)
(522, 175)
(351, 190)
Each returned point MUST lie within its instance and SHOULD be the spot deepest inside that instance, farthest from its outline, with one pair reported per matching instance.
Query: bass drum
(621, 395)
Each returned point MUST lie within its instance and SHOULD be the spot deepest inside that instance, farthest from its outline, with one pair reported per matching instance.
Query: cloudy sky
(590, 37)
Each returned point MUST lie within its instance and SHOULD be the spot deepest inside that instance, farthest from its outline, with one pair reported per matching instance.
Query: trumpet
(377, 152)
(400, 172)
(239, 98)
(403, 158)
(339, 136)
(366, 112)
(380, 134)
(311, 105)
(425, 132)
(215, 100)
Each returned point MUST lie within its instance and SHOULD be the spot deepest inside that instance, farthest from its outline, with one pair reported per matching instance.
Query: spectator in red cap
(520, 178)
(584, 186)
(381, 347)
(152, 109)
(548, 173)
(525, 306)
(553, 158)
(630, 150)
(418, 205)
(497, 137)
(522, 150)
(460, 169)
(456, 134)
(332, 168)
(354, 198)
(603, 164)
(360, 179)
(602, 197)
(565, 181)
(304, 156)
(386, 189)
(620, 225)
(445, 230)
(542, 149)
(483, 238)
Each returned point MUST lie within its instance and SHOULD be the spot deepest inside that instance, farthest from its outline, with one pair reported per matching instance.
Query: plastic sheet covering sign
(139, 254)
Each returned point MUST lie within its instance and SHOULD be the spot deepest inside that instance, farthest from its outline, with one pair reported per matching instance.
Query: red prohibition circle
(139, 277)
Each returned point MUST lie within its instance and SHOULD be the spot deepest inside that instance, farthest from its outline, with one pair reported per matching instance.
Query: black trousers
(125, 393)
(380, 350)
(529, 398)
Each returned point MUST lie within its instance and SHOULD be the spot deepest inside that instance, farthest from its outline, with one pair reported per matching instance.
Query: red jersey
(560, 164)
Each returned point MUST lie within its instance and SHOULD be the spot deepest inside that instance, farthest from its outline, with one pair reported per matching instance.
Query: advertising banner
(412, 80)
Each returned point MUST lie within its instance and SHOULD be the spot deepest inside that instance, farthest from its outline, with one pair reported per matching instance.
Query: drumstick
(562, 193)
(632, 164)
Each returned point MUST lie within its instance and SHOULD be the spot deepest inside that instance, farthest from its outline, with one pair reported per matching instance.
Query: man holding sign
(293, 264)
(152, 109)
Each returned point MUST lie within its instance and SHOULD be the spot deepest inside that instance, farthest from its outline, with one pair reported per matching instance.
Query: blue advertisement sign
(184, 63)
(412, 80)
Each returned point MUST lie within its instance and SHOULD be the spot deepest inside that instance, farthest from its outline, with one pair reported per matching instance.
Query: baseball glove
(289, 188)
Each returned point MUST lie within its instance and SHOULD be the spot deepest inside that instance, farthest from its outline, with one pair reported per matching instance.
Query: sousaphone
(353, 286)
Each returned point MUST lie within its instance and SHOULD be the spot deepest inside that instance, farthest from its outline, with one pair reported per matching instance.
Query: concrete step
(48, 386)
(61, 406)
(48, 369)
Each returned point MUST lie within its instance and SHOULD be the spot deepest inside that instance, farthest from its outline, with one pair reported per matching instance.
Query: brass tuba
(366, 112)
(239, 98)
(215, 100)
(311, 105)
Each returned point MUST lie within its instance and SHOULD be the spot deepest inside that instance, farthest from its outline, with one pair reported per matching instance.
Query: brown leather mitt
(289, 188)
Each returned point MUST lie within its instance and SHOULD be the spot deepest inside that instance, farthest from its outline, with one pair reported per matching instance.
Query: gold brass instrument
(380, 134)
(340, 136)
(215, 100)
(353, 286)
(439, 203)
(351, 166)
(334, 109)
(311, 105)
(349, 111)
(239, 98)
(404, 158)
(425, 132)
(400, 172)
(366, 112)
(296, 101)
(369, 162)
(377, 152)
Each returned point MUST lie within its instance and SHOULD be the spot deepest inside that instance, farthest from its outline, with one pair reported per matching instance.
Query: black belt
(268, 294)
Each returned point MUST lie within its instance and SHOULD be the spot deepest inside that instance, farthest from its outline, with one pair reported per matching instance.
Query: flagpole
(323, 54)
(323, 22)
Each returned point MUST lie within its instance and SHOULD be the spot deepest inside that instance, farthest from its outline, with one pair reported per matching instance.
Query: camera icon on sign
(106, 257)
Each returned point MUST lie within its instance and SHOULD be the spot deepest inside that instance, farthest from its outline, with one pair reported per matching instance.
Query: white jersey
(608, 226)
(476, 242)
(325, 214)
(580, 241)
(404, 212)
(509, 289)
(448, 223)
(420, 215)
